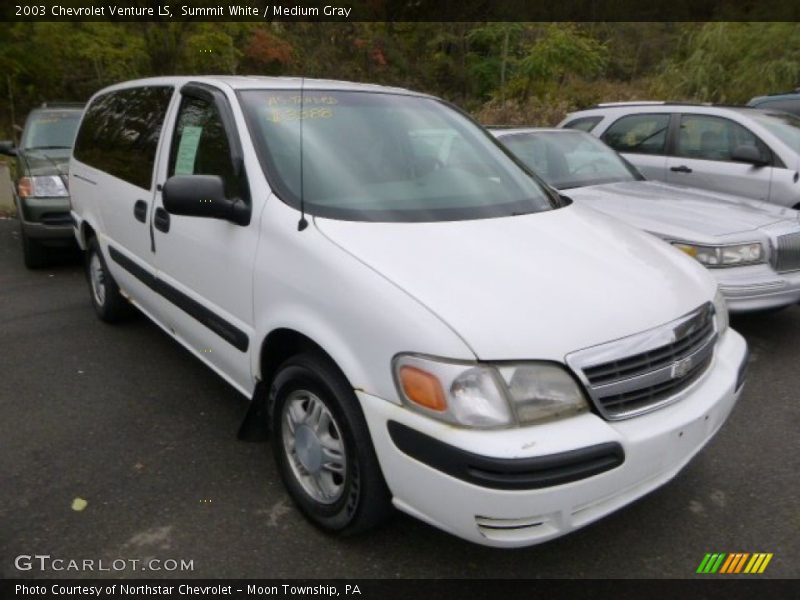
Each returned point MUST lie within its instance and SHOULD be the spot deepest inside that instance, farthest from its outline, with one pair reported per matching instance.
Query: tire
(34, 254)
(328, 428)
(108, 303)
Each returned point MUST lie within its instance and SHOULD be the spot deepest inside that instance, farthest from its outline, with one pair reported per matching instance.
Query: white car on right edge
(737, 150)
(752, 247)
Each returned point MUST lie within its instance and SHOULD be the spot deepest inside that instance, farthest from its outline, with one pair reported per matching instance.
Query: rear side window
(583, 124)
(120, 131)
(639, 134)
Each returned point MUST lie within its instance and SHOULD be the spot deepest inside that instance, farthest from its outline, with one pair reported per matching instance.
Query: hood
(681, 212)
(45, 162)
(534, 286)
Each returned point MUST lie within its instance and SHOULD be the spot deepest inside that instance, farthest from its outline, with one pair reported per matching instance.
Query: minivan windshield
(370, 156)
(51, 130)
(569, 159)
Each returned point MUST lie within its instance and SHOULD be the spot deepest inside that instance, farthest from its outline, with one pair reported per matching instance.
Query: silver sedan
(752, 247)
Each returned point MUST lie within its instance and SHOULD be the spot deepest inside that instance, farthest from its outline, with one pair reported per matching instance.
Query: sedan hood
(680, 212)
(531, 287)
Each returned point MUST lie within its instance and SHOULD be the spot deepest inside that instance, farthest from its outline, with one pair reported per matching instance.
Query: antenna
(302, 224)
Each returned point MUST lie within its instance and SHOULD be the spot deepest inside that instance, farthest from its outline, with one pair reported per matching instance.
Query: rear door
(205, 265)
(642, 139)
(116, 148)
(702, 146)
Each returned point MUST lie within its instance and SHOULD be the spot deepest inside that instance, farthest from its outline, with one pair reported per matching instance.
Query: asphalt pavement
(124, 419)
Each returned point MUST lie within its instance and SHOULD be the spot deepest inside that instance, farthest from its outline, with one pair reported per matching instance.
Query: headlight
(487, 395)
(724, 256)
(721, 312)
(45, 186)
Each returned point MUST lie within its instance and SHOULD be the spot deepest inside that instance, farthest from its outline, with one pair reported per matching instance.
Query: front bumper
(757, 287)
(45, 218)
(655, 448)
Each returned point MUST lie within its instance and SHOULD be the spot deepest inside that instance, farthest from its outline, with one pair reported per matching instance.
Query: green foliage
(732, 62)
(514, 72)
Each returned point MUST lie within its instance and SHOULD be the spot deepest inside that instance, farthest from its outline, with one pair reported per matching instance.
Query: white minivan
(448, 336)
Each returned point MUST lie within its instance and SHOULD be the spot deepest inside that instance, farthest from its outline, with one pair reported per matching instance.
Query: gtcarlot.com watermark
(46, 562)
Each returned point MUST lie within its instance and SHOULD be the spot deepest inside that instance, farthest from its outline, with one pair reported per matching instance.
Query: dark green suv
(40, 185)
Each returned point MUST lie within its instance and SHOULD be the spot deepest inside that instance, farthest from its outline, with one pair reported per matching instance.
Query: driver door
(205, 264)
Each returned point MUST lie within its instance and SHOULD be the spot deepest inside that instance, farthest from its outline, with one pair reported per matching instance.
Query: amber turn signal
(422, 388)
(25, 187)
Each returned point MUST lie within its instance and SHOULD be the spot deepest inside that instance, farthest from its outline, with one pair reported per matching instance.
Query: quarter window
(583, 124)
(714, 138)
(120, 131)
(639, 134)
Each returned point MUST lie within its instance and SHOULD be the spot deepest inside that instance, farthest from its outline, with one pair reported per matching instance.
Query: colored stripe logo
(734, 562)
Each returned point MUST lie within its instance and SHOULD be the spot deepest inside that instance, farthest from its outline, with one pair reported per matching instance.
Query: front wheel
(323, 449)
(108, 302)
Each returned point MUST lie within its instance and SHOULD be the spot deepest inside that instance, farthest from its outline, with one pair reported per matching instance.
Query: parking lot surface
(125, 419)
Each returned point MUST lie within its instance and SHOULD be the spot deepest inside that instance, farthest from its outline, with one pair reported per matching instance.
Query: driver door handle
(681, 169)
(161, 220)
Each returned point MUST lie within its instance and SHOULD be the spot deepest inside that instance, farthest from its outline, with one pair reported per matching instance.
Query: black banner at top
(400, 10)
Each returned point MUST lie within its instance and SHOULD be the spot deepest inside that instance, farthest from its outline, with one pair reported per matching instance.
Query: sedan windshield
(569, 159)
(50, 130)
(385, 157)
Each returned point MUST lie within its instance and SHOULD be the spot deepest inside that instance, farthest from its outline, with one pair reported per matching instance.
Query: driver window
(714, 138)
(200, 146)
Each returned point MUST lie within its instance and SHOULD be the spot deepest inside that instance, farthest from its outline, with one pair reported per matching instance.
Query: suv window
(583, 123)
(714, 138)
(200, 144)
(640, 134)
(119, 133)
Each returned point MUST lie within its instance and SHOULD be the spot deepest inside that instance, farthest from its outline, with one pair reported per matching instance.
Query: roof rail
(664, 103)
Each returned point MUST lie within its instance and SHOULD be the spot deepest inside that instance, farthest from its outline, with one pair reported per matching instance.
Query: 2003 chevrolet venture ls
(441, 333)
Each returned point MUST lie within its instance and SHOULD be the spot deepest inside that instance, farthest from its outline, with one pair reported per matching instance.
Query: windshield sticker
(187, 150)
(288, 115)
(305, 99)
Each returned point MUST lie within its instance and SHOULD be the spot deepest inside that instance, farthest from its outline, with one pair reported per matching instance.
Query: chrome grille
(787, 253)
(640, 373)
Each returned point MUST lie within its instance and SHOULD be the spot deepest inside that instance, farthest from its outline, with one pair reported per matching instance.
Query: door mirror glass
(747, 153)
(202, 196)
(7, 148)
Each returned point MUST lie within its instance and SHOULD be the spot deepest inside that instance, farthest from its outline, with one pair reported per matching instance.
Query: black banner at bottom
(406, 589)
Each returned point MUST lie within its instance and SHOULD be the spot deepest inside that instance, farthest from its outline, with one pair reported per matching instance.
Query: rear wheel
(34, 254)
(108, 302)
(323, 449)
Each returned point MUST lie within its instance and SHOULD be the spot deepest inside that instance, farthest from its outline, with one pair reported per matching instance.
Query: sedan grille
(787, 253)
(648, 370)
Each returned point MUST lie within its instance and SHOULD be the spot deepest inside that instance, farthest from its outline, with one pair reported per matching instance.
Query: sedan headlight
(486, 395)
(721, 313)
(42, 186)
(725, 256)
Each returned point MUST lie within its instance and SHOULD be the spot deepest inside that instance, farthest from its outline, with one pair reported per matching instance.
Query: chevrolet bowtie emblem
(681, 368)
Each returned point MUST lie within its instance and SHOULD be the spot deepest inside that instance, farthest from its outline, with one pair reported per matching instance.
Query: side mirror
(203, 196)
(748, 153)
(7, 148)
